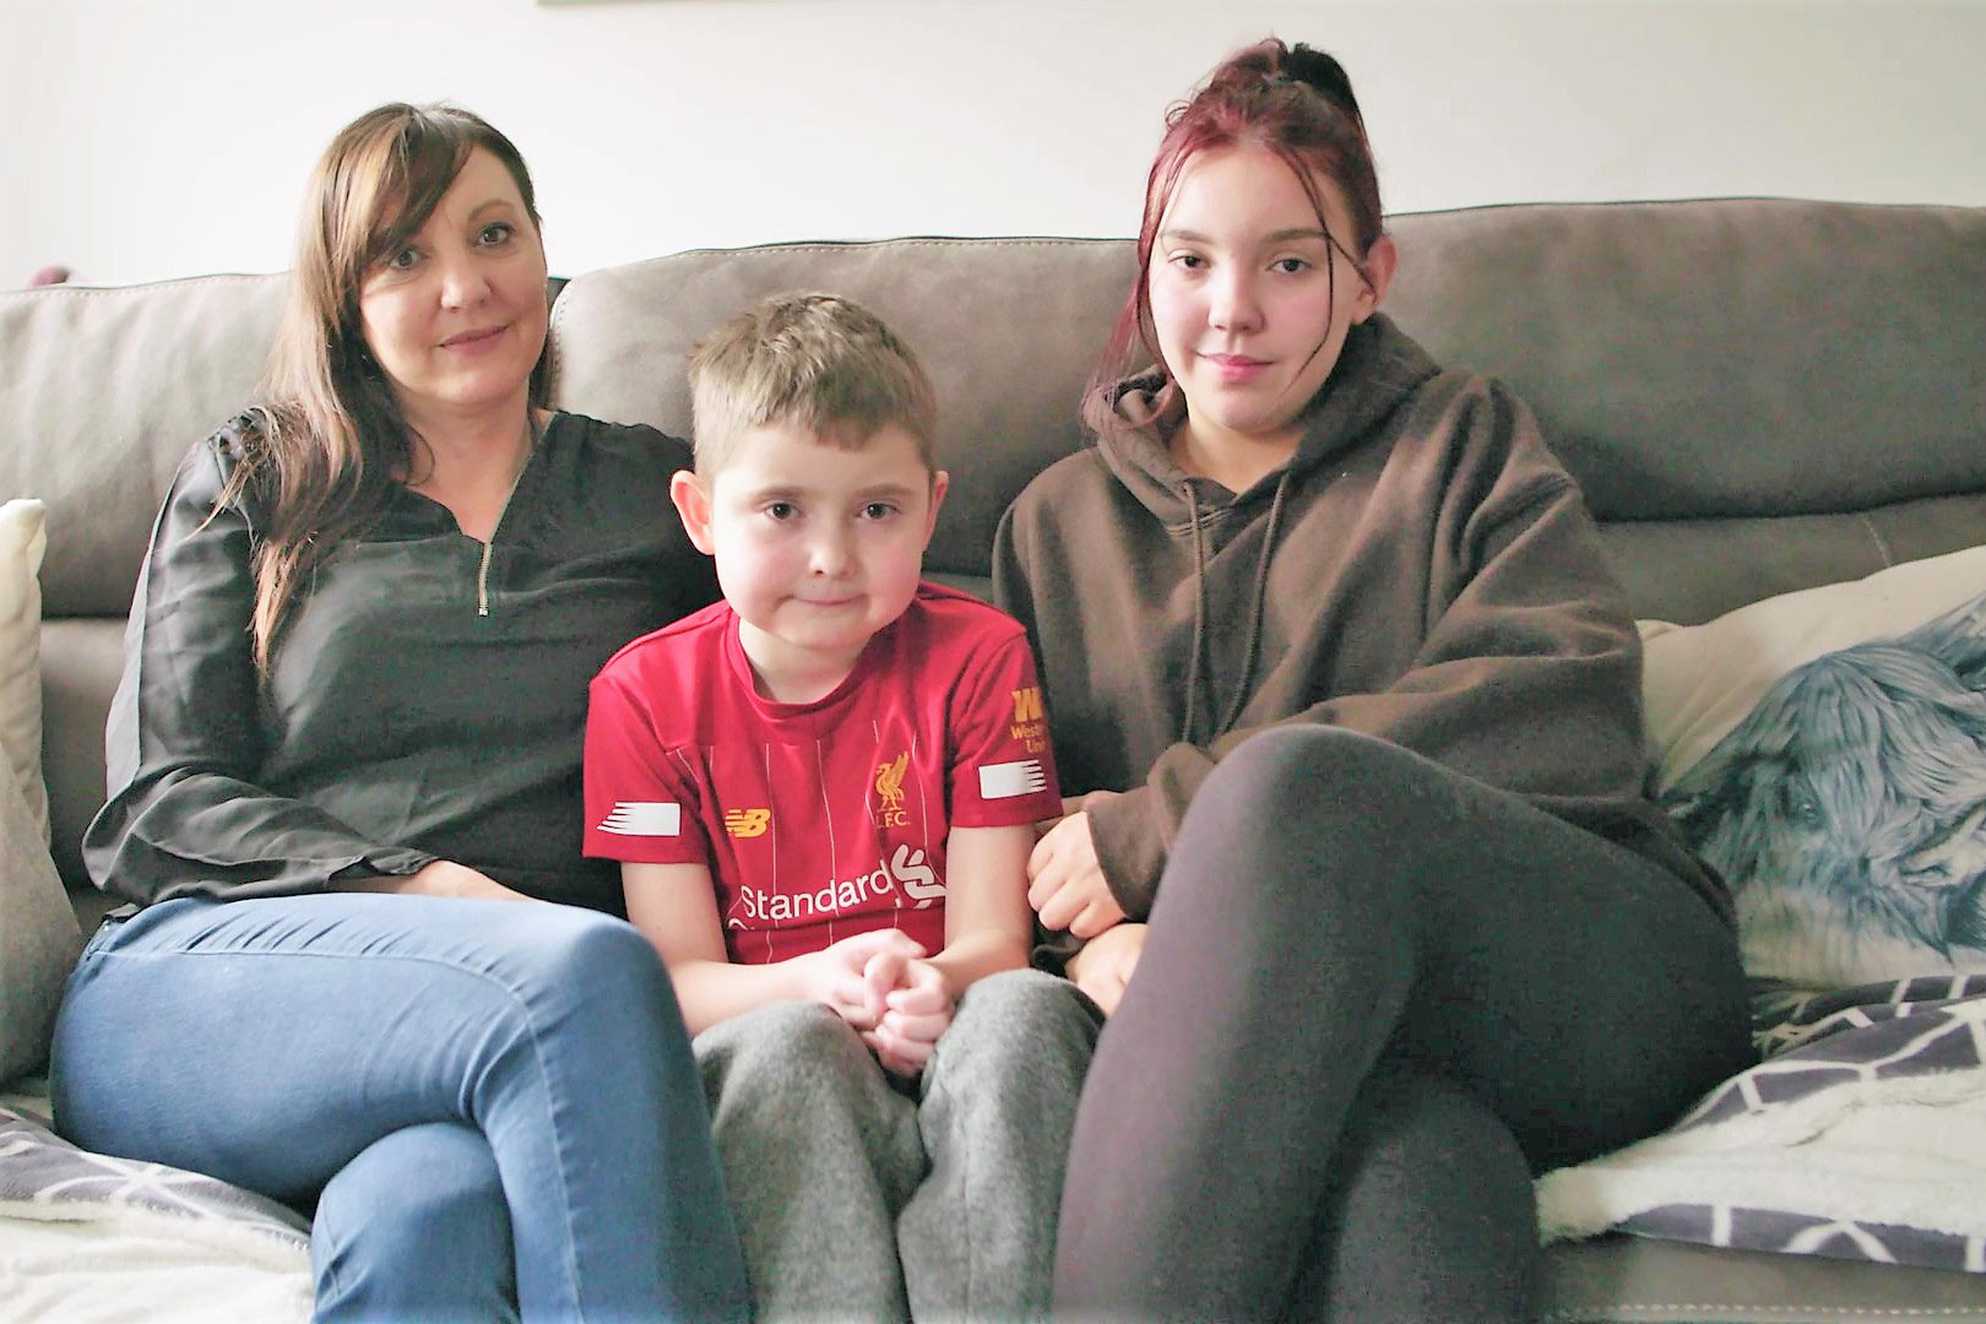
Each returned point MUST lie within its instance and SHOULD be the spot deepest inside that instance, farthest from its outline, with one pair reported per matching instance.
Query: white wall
(153, 138)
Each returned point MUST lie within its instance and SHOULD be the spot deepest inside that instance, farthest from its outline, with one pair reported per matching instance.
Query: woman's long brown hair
(322, 450)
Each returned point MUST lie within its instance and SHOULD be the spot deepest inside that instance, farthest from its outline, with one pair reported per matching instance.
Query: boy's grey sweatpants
(857, 1202)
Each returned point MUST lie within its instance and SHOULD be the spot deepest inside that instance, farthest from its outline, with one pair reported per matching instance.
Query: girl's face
(1250, 297)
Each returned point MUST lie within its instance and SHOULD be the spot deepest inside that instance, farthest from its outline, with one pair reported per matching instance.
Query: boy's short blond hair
(814, 361)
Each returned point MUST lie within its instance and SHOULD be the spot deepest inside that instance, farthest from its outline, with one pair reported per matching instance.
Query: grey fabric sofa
(1757, 396)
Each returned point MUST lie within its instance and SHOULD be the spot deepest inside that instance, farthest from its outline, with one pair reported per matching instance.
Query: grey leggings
(1376, 996)
(857, 1201)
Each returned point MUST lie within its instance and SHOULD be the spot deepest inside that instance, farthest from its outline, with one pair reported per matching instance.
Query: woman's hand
(442, 878)
(447, 878)
(1066, 886)
(1103, 967)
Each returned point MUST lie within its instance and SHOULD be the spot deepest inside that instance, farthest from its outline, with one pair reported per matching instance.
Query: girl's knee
(1306, 770)
(1322, 823)
(1433, 1131)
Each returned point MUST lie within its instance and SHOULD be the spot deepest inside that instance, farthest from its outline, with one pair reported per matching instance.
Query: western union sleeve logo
(747, 822)
(1028, 729)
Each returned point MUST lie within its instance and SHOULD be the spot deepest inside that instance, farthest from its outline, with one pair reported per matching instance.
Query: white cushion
(23, 540)
(1702, 680)
(38, 935)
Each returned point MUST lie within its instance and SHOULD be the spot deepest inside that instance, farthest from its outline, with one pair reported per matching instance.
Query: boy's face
(817, 548)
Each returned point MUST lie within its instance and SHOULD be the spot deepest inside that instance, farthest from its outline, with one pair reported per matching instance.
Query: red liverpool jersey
(825, 819)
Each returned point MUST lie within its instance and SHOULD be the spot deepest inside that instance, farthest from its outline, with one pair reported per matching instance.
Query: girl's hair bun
(1321, 73)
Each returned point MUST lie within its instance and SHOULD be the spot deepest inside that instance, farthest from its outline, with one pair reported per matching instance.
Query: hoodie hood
(1379, 366)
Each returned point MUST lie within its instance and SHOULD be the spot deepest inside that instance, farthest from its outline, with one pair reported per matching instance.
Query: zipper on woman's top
(483, 569)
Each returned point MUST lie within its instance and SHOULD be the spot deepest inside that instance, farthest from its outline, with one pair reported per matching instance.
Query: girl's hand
(1065, 882)
(1103, 967)
(919, 1011)
(1071, 804)
(854, 977)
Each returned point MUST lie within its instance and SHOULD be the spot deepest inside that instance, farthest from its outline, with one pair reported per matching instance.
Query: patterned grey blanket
(1861, 1135)
(43, 1177)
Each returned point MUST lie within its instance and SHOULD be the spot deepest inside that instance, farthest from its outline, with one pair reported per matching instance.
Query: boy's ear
(693, 504)
(940, 483)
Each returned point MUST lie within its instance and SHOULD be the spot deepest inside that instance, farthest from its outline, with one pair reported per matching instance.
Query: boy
(821, 791)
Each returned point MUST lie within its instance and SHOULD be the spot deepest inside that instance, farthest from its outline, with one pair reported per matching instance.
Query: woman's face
(456, 318)
(1250, 299)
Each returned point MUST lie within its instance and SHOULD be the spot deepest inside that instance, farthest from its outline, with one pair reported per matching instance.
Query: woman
(345, 784)
(1327, 634)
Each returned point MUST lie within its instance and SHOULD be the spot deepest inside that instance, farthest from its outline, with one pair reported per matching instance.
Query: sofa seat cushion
(1618, 1279)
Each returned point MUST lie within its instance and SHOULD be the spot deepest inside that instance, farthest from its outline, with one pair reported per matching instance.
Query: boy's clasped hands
(880, 983)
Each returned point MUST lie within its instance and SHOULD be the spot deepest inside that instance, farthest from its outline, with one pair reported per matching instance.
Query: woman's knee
(416, 1226)
(572, 947)
(586, 961)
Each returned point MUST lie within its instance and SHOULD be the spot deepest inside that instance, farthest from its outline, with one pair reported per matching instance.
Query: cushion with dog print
(1826, 751)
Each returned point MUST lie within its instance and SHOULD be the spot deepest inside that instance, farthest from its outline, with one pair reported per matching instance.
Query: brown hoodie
(1422, 570)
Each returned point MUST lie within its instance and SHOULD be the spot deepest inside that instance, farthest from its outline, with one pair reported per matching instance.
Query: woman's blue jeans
(462, 1086)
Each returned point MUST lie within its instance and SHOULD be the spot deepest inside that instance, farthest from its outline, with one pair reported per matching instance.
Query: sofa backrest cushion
(1757, 396)
(1007, 329)
(105, 389)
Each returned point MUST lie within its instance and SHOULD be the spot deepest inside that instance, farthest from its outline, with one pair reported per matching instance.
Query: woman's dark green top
(421, 704)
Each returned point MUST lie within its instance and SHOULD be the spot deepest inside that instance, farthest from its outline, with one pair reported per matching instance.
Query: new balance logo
(1027, 704)
(644, 818)
(1004, 781)
(747, 822)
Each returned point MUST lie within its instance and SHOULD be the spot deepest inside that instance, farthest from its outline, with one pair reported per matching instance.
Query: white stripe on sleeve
(1003, 781)
(644, 818)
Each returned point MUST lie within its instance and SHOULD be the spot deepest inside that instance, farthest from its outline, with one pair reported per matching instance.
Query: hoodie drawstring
(1253, 651)
(1199, 614)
